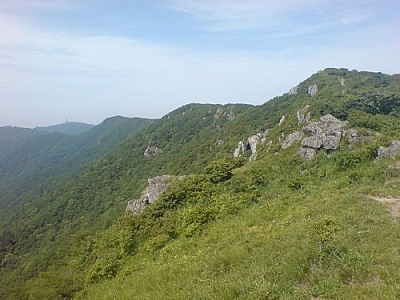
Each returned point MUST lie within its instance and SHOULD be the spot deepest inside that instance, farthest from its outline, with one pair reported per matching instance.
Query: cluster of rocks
(250, 144)
(324, 134)
(157, 186)
(312, 90)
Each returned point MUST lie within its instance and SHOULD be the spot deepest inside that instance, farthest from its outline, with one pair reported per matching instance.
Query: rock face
(301, 115)
(250, 144)
(240, 149)
(292, 138)
(281, 121)
(391, 151)
(314, 142)
(157, 186)
(151, 151)
(229, 115)
(293, 91)
(312, 90)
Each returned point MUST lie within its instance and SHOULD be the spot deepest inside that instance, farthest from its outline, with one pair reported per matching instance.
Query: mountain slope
(199, 239)
(13, 137)
(42, 159)
(69, 128)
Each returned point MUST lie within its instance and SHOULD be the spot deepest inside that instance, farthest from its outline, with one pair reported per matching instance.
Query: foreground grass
(322, 238)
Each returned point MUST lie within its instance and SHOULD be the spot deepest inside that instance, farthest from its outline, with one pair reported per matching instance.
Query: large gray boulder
(314, 142)
(331, 142)
(307, 153)
(312, 127)
(391, 151)
(292, 138)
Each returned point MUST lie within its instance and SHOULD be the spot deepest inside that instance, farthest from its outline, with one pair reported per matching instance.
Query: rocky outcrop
(220, 112)
(151, 151)
(250, 144)
(281, 121)
(292, 138)
(342, 81)
(240, 149)
(293, 91)
(312, 90)
(325, 134)
(307, 153)
(352, 136)
(157, 186)
(301, 115)
(314, 142)
(391, 151)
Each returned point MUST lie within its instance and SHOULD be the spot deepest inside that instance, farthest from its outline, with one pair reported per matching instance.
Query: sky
(86, 60)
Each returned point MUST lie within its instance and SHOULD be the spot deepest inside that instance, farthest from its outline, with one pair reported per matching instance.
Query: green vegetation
(279, 227)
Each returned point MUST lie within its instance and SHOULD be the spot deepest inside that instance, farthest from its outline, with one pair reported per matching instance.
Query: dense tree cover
(230, 229)
(39, 160)
(13, 137)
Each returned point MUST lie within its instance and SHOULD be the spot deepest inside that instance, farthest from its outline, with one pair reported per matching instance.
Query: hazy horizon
(89, 60)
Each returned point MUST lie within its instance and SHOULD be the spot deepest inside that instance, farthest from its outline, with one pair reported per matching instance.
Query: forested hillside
(13, 137)
(265, 224)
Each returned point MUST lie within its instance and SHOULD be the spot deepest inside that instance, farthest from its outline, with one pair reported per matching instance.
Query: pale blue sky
(87, 60)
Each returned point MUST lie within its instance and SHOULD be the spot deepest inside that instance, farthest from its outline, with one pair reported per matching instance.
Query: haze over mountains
(267, 223)
(70, 128)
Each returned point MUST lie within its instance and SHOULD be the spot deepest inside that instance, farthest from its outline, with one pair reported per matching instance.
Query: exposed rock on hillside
(391, 151)
(240, 149)
(157, 186)
(151, 151)
(312, 90)
(307, 153)
(326, 134)
(250, 144)
(229, 115)
(282, 120)
(292, 138)
(301, 115)
(293, 91)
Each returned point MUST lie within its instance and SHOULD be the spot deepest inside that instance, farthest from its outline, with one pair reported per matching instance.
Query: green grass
(270, 249)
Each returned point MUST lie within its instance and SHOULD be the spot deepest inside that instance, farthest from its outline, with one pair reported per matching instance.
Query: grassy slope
(324, 239)
(307, 230)
(246, 237)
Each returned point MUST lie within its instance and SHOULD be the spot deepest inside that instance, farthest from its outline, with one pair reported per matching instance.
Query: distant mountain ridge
(13, 137)
(69, 128)
(40, 157)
